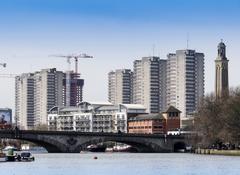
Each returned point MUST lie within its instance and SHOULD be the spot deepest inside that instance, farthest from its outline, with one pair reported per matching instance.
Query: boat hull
(10, 158)
(97, 149)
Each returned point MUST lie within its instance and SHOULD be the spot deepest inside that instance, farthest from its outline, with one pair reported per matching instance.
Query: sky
(115, 32)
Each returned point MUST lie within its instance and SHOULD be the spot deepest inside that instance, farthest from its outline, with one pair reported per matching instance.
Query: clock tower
(221, 81)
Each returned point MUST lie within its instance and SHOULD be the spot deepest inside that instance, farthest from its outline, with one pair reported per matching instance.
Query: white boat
(9, 147)
(109, 149)
(121, 148)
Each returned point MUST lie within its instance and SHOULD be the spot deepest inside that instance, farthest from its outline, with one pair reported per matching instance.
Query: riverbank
(218, 152)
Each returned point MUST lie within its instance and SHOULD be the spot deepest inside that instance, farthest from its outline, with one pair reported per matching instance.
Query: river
(124, 164)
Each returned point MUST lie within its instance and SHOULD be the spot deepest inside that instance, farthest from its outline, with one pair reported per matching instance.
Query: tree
(233, 117)
(218, 120)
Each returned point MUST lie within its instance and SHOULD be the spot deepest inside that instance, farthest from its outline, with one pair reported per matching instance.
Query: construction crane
(8, 75)
(76, 57)
(68, 74)
(3, 64)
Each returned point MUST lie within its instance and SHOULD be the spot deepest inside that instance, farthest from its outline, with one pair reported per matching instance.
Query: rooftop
(69, 109)
(96, 103)
(149, 117)
(172, 109)
(107, 107)
(133, 106)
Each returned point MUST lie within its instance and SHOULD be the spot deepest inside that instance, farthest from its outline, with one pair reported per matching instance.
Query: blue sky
(116, 32)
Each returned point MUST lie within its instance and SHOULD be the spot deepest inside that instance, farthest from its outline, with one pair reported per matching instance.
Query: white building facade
(120, 86)
(92, 117)
(149, 83)
(47, 93)
(24, 101)
(185, 80)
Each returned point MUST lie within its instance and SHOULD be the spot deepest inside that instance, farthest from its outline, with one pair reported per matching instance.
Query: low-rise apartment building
(93, 117)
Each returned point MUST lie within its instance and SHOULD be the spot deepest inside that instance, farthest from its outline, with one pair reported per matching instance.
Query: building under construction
(76, 89)
(72, 82)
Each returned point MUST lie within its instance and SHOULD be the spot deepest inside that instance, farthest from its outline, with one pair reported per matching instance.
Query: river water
(124, 164)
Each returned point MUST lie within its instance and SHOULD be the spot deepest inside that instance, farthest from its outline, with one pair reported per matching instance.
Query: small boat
(10, 155)
(96, 148)
(25, 156)
(10, 158)
(124, 148)
(109, 149)
(10, 148)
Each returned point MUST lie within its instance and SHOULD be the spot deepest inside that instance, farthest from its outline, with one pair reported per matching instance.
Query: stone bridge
(74, 142)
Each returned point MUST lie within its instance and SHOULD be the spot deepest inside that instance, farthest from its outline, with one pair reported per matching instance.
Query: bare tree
(218, 120)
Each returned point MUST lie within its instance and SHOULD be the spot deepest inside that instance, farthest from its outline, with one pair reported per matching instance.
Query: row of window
(140, 127)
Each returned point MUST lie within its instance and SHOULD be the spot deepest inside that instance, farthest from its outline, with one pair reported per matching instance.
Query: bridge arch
(50, 145)
(140, 146)
(179, 146)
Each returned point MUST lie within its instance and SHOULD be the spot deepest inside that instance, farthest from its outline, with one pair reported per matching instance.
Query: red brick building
(159, 123)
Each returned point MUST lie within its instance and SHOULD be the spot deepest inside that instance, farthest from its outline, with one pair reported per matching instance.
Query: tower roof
(221, 51)
(172, 109)
(221, 44)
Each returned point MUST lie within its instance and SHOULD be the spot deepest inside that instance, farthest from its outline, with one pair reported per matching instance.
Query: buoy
(95, 157)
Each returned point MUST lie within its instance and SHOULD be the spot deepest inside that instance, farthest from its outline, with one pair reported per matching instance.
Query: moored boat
(124, 148)
(96, 148)
(10, 148)
(25, 156)
(10, 155)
